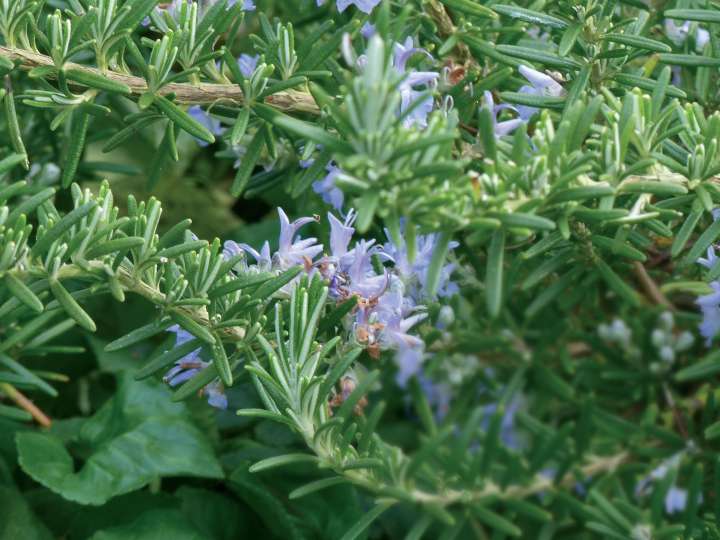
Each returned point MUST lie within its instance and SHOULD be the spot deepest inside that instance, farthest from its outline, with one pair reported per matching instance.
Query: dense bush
(466, 288)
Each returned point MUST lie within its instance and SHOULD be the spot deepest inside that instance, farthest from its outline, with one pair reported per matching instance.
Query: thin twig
(24, 403)
(446, 27)
(186, 93)
(651, 288)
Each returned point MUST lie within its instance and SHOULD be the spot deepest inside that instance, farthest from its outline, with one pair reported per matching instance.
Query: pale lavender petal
(247, 64)
(368, 30)
(675, 500)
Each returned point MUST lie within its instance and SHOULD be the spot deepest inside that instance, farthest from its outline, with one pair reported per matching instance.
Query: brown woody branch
(186, 93)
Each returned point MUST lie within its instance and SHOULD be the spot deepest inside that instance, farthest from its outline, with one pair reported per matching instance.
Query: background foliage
(508, 330)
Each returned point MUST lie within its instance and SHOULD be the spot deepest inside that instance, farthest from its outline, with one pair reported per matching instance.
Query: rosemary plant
(487, 306)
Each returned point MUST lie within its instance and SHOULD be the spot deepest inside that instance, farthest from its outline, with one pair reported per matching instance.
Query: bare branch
(186, 93)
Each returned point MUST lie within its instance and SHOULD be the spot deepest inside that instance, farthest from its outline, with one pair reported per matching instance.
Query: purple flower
(710, 308)
(248, 5)
(439, 395)
(263, 259)
(407, 88)
(190, 365)
(294, 251)
(675, 499)
(541, 85)
(215, 393)
(505, 127)
(204, 118)
(508, 434)
(247, 64)
(341, 232)
(327, 189)
(679, 34)
(414, 273)
(366, 6)
(711, 258)
(362, 279)
(368, 30)
(393, 313)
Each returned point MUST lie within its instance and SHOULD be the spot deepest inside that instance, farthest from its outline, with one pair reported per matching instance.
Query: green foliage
(133, 424)
(564, 156)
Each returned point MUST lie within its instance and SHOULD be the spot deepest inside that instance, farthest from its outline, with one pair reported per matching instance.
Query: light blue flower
(247, 64)
(415, 273)
(248, 5)
(394, 322)
(203, 117)
(263, 259)
(366, 6)
(327, 189)
(500, 129)
(190, 365)
(711, 259)
(294, 251)
(679, 34)
(368, 30)
(540, 85)
(362, 279)
(438, 395)
(341, 232)
(675, 500)
(409, 94)
(710, 308)
(508, 435)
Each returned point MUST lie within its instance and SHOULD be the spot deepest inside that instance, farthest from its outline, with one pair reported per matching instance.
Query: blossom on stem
(710, 303)
(247, 64)
(263, 259)
(415, 273)
(190, 365)
(203, 117)
(679, 34)
(710, 308)
(540, 85)
(409, 95)
(500, 129)
(294, 251)
(366, 6)
(327, 188)
(676, 498)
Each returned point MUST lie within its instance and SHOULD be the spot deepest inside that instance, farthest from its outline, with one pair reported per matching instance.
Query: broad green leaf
(135, 437)
(17, 520)
(153, 525)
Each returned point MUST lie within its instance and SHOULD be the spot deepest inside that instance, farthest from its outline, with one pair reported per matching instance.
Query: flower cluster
(390, 286)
